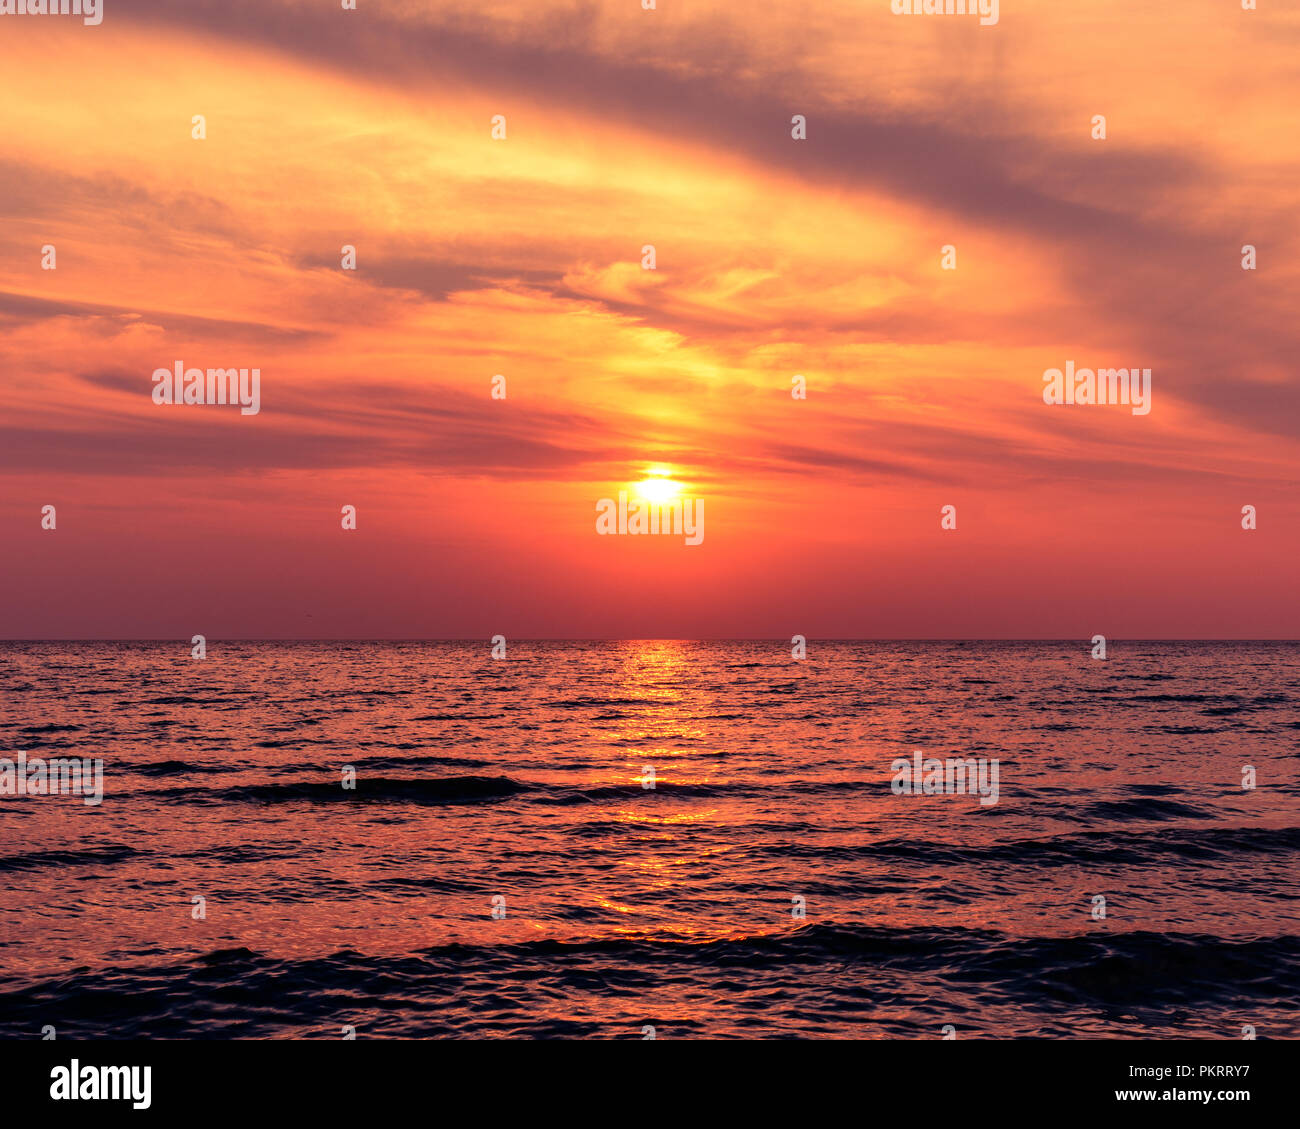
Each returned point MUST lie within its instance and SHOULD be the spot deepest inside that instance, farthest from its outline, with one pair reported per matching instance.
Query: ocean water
(675, 906)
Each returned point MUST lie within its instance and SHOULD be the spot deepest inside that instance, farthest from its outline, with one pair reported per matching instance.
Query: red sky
(775, 257)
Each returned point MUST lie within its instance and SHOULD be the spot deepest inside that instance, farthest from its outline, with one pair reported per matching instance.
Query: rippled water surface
(524, 779)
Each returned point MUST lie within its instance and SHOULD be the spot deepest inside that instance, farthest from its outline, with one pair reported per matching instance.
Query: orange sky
(775, 257)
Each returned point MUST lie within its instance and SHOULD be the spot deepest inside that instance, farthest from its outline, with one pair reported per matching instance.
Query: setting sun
(658, 489)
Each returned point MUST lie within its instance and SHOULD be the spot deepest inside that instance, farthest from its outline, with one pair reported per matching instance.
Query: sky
(775, 257)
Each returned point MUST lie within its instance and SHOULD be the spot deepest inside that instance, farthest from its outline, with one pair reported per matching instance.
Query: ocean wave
(815, 969)
(415, 789)
(438, 759)
(603, 703)
(182, 768)
(85, 856)
(1138, 808)
(1089, 848)
(372, 789)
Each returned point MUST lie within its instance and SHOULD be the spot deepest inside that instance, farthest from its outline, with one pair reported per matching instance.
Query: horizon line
(649, 639)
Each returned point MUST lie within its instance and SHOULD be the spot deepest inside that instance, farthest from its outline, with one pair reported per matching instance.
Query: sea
(652, 839)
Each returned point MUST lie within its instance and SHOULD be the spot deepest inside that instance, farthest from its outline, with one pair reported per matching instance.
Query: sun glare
(658, 489)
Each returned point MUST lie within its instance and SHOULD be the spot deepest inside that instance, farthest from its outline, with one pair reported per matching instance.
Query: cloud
(28, 309)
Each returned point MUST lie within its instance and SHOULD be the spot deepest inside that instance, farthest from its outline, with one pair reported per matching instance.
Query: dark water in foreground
(522, 779)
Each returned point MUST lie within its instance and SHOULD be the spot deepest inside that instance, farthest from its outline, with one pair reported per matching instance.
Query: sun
(658, 488)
